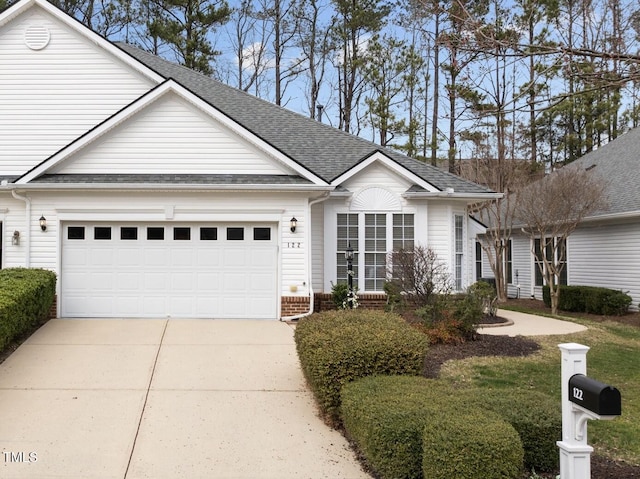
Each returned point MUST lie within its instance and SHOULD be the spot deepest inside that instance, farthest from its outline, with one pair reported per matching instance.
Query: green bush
(26, 296)
(474, 444)
(590, 299)
(535, 416)
(387, 416)
(336, 347)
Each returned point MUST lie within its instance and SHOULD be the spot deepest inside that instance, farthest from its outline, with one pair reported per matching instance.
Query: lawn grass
(614, 358)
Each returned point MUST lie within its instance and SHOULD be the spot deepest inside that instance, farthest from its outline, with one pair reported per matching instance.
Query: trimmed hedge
(536, 417)
(336, 347)
(590, 299)
(26, 297)
(475, 444)
(386, 416)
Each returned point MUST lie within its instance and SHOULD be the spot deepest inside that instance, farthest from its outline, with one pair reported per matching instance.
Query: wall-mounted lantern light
(15, 239)
(43, 223)
(293, 224)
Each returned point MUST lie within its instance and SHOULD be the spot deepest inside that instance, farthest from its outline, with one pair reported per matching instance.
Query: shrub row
(26, 296)
(590, 299)
(409, 427)
(336, 347)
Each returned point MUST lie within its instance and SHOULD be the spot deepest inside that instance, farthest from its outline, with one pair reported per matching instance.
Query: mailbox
(597, 397)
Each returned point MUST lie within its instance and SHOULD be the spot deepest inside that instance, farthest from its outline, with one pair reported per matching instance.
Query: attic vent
(37, 37)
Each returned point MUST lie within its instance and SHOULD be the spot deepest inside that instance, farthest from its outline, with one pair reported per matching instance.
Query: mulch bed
(488, 345)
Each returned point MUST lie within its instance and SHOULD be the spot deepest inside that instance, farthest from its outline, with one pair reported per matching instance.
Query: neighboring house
(164, 193)
(605, 249)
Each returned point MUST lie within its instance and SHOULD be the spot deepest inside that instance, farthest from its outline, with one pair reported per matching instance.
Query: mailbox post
(583, 398)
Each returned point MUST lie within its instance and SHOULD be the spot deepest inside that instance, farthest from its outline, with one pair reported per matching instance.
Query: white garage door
(162, 270)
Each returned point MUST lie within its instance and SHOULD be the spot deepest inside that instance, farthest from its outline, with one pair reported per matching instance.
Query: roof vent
(37, 37)
(589, 167)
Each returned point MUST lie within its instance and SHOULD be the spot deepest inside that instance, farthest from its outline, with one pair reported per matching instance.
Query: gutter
(168, 186)
(27, 200)
(452, 195)
(324, 197)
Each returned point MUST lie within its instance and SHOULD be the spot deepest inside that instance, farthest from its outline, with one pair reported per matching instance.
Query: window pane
(128, 233)
(208, 234)
(102, 233)
(155, 233)
(402, 231)
(235, 234)
(262, 234)
(75, 233)
(375, 251)
(181, 234)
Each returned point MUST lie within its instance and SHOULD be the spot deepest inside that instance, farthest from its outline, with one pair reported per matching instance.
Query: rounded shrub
(536, 417)
(26, 296)
(336, 347)
(387, 416)
(474, 444)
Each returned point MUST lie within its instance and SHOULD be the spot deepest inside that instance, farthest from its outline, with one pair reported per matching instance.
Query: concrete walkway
(163, 399)
(522, 324)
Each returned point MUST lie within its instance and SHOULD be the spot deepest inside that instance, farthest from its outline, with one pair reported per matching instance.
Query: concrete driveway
(163, 399)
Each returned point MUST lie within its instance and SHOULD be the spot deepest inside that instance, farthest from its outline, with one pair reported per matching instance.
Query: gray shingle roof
(618, 163)
(322, 149)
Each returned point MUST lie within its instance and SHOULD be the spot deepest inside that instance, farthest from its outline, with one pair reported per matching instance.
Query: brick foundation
(293, 305)
(323, 301)
(53, 312)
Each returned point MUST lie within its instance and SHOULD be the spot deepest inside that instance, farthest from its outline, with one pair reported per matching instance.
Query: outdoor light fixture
(294, 224)
(43, 223)
(348, 254)
(15, 239)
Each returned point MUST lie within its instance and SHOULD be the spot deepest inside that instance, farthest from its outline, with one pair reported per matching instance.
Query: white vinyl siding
(378, 174)
(170, 136)
(50, 97)
(440, 230)
(317, 244)
(607, 256)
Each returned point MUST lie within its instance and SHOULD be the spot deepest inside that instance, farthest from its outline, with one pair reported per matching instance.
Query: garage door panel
(155, 257)
(102, 281)
(262, 283)
(101, 257)
(183, 282)
(129, 257)
(155, 282)
(129, 281)
(76, 257)
(208, 275)
(183, 257)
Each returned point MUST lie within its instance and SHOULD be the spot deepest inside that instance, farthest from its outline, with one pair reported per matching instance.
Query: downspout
(310, 268)
(27, 200)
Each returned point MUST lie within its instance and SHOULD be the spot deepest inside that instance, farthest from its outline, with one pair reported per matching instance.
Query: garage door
(161, 270)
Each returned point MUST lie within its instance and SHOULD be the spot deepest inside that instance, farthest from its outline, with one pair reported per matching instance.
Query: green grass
(614, 358)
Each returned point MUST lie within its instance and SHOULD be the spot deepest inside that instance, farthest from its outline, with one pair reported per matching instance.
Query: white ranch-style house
(154, 191)
(603, 250)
